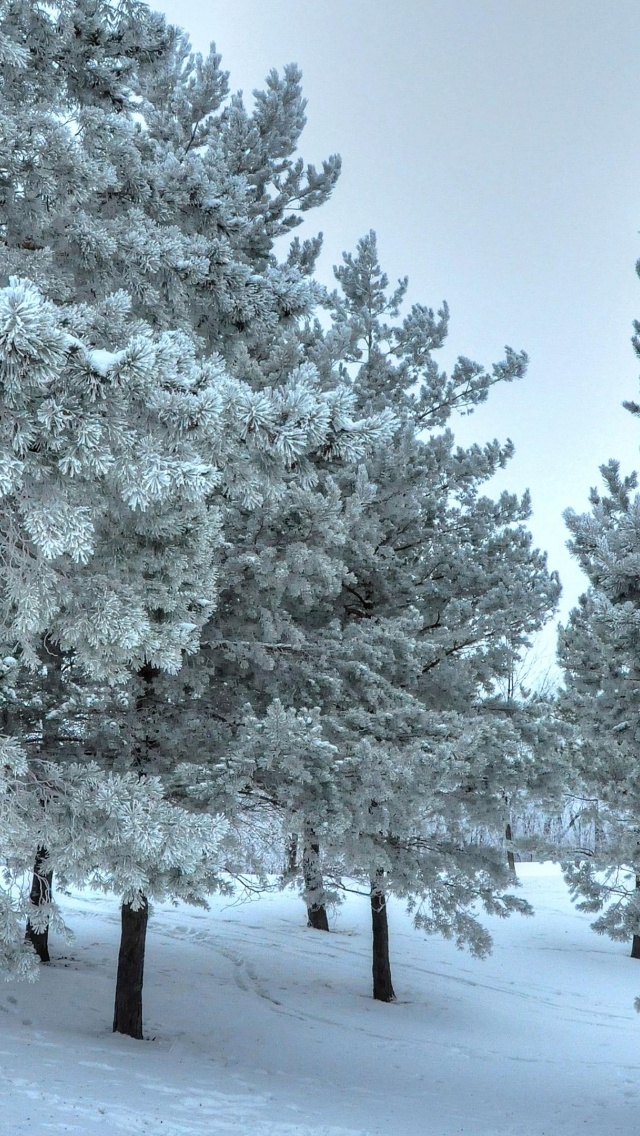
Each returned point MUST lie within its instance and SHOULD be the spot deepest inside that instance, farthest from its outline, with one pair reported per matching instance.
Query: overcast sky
(492, 145)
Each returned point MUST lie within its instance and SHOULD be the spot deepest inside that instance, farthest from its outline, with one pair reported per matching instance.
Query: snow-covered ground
(258, 1026)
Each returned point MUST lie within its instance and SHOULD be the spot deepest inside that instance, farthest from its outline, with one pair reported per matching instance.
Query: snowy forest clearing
(259, 1026)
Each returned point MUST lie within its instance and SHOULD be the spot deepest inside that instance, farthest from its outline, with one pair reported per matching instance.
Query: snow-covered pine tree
(118, 566)
(446, 585)
(127, 112)
(599, 649)
(97, 215)
(392, 600)
(137, 175)
(87, 455)
(116, 831)
(205, 182)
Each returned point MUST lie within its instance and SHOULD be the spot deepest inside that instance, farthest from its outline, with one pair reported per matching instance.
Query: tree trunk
(146, 744)
(314, 885)
(598, 834)
(382, 985)
(291, 855)
(127, 1016)
(635, 943)
(511, 860)
(52, 658)
(41, 886)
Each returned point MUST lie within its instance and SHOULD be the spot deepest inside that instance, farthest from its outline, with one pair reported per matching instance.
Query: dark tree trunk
(382, 985)
(635, 943)
(314, 885)
(52, 658)
(317, 917)
(127, 1015)
(145, 704)
(511, 860)
(41, 886)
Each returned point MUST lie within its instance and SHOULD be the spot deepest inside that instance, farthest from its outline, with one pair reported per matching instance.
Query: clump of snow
(103, 361)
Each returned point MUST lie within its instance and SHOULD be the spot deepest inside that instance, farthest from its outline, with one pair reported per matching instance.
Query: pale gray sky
(492, 144)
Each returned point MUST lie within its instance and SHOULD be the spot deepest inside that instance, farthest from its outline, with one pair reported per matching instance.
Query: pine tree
(73, 446)
(598, 649)
(137, 176)
(368, 624)
(446, 586)
(115, 831)
(141, 223)
(189, 454)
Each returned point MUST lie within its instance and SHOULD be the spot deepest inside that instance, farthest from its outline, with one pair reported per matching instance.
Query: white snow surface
(259, 1026)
